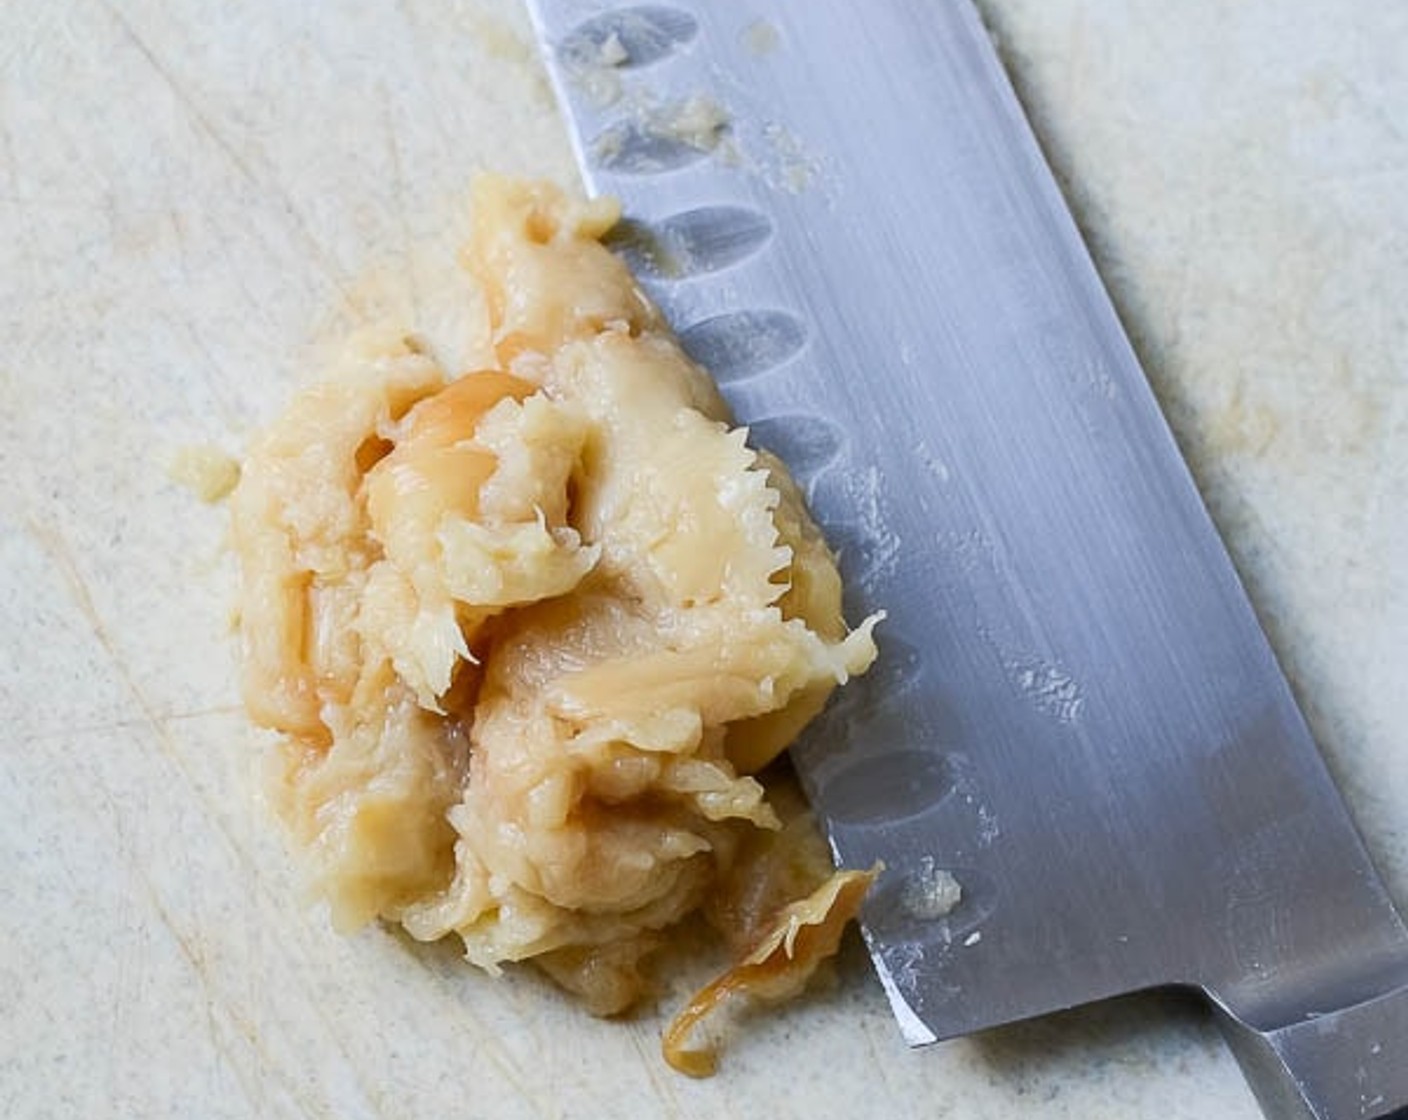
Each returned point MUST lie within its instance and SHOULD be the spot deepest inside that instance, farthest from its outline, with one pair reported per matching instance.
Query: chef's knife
(1077, 757)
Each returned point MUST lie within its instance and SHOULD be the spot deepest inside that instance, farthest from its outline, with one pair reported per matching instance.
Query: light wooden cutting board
(192, 196)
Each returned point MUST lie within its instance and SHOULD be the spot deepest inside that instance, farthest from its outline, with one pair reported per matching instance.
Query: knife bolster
(1352, 1062)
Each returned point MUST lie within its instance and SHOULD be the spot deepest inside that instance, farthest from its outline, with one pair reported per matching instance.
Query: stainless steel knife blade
(1076, 714)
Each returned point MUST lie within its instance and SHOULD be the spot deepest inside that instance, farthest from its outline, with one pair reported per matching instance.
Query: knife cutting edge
(1077, 758)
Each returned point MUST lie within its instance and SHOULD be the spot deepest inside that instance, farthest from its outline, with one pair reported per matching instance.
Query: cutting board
(195, 199)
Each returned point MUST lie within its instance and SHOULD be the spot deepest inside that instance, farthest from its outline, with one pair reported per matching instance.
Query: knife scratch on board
(881, 1103)
(646, 1042)
(398, 194)
(242, 163)
(219, 1005)
(370, 1092)
(126, 723)
(52, 542)
(485, 1041)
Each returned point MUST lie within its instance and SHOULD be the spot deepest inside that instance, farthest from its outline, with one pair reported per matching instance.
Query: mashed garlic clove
(531, 635)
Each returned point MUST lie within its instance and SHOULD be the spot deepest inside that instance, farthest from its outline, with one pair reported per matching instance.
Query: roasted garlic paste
(529, 635)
